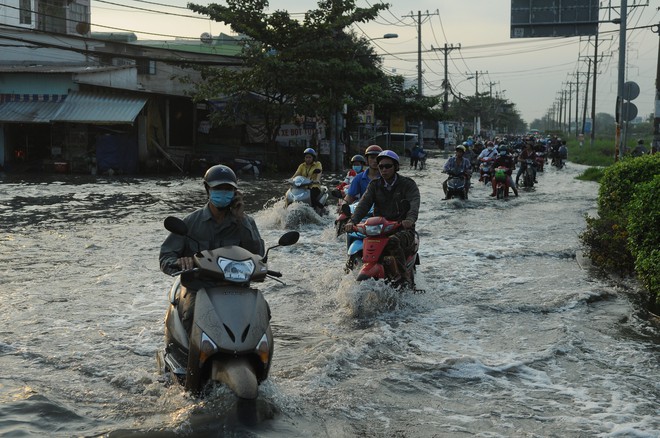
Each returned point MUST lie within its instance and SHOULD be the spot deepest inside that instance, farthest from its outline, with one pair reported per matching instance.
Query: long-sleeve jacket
(387, 200)
(202, 227)
(308, 172)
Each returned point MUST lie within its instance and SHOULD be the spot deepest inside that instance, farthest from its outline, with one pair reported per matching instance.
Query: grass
(600, 155)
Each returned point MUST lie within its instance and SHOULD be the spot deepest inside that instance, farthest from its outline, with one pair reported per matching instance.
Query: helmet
(460, 148)
(359, 159)
(310, 151)
(388, 154)
(374, 149)
(220, 174)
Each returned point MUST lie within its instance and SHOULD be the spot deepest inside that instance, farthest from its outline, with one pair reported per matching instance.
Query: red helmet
(374, 149)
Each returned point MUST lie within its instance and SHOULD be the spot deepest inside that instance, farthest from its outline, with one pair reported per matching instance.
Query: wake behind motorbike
(230, 339)
(300, 191)
(371, 238)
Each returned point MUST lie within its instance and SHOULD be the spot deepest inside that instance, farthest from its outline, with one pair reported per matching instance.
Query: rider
(504, 160)
(488, 154)
(311, 169)
(386, 195)
(458, 164)
(358, 163)
(362, 180)
(221, 222)
(527, 153)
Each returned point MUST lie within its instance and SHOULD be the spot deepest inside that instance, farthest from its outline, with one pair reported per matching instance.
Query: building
(71, 100)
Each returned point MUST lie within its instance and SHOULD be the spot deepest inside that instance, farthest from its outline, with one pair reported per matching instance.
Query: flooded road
(511, 337)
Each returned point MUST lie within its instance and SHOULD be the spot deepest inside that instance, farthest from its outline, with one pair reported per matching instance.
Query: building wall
(36, 83)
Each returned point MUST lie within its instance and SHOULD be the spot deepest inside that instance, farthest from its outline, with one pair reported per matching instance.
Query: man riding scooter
(386, 195)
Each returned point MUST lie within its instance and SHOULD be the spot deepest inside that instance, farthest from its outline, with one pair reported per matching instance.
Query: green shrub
(591, 174)
(606, 244)
(620, 181)
(644, 235)
(607, 237)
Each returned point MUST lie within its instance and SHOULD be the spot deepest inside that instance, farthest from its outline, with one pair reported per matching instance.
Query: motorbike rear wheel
(500, 192)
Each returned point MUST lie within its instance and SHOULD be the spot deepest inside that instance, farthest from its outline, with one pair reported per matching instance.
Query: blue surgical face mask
(357, 168)
(221, 198)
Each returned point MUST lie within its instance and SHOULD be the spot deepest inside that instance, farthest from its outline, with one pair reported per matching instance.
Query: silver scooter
(230, 340)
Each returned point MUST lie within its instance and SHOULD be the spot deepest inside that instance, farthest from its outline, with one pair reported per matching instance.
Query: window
(25, 12)
(146, 67)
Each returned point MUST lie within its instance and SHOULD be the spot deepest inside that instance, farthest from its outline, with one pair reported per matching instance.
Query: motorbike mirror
(175, 225)
(346, 209)
(289, 238)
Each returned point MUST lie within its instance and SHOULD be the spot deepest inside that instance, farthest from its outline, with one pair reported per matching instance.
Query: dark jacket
(387, 202)
(238, 230)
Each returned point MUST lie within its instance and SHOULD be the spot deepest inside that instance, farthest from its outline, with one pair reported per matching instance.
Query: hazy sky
(529, 72)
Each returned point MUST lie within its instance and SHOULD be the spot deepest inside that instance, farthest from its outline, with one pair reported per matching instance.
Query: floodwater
(511, 337)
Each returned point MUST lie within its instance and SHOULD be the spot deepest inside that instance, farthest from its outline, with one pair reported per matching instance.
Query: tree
(291, 66)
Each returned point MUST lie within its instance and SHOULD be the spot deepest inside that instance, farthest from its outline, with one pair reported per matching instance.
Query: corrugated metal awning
(28, 112)
(81, 107)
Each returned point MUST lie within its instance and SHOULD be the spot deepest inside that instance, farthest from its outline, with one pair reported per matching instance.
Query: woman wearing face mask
(221, 222)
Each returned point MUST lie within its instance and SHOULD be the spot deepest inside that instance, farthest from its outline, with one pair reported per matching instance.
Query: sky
(532, 73)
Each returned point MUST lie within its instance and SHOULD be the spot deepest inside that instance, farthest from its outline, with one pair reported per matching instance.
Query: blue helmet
(388, 154)
(358, 158)
(310, 151)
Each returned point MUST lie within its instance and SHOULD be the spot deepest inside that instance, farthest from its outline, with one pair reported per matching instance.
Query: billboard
(553, 18)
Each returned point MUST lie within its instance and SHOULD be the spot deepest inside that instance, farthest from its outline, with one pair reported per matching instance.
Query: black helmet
(220, 174)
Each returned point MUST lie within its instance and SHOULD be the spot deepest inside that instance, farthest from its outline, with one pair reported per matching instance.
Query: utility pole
(593, 93)
(586, 95)
(448, 48)
(577, 98)
(570, 98)
(656, 119)
(420, 124)
(619, 148)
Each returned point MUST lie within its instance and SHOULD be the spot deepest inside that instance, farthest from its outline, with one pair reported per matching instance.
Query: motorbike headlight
(263, 349)
(207, 348)
(373, 230)
(237, 271)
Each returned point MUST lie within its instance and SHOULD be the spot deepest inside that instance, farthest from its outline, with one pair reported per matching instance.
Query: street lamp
(387, 36)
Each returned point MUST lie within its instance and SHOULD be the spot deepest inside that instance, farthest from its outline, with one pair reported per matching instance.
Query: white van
(399, 142)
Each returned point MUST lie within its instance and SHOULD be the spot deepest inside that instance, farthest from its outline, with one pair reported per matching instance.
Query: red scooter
(377, 231)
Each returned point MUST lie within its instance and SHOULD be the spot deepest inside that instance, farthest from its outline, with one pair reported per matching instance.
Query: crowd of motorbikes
(231, 341)
(549, 150)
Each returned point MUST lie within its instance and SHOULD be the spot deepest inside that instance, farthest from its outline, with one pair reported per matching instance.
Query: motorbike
(373, 236)
(501, 183)
(231, 341)
(528, 173)
(486, 170)
(539, 159)
(300, 192)
(457, 185)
